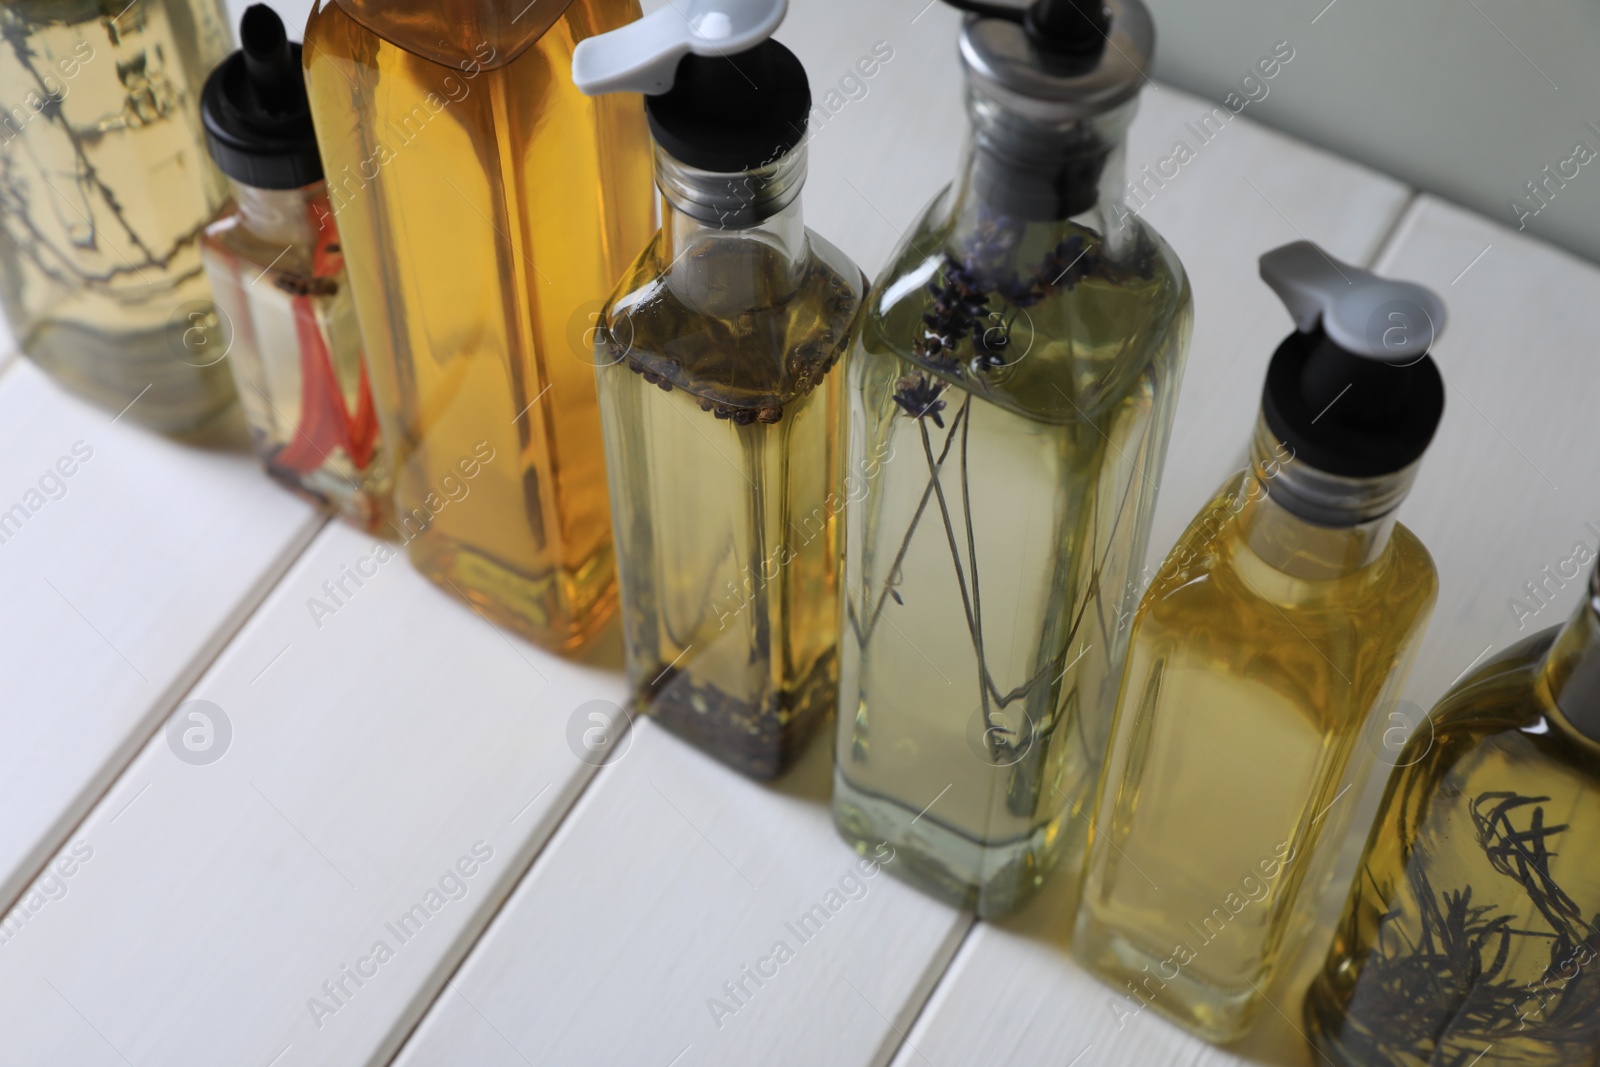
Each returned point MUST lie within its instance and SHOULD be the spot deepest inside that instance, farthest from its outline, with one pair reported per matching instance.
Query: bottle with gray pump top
(719, 392)
(1020, 359)
(1265, 659)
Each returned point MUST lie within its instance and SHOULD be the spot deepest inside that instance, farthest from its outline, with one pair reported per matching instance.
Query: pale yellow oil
(991, 559)
(1472, 931)
(486, 208)
(105, 186)
(721, 397)
(1246, 692)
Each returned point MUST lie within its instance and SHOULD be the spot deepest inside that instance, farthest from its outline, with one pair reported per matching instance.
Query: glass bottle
(485, 207)
(105, 186)
(1009, 404)
(720, 399)
(278, 276)
(1285, 615)
(1472, 931)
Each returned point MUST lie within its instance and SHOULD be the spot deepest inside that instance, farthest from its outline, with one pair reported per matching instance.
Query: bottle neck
(1312, 525)
(1035, 170)
(278, 216)
(1571, 670)
(735, 240)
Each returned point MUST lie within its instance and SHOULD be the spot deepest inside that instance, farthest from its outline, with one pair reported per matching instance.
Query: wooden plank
(640, 909)
(671, 884)
(1509, 488)
(393, 754)
(126, 559)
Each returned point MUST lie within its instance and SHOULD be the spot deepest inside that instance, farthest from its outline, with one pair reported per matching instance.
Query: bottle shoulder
(733, 323)
(1052, 320)
(1504, 699)
(1214, 559)
(230, 237)
(469, 35)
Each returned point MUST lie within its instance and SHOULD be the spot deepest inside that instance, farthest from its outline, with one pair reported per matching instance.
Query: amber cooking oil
(486, 207)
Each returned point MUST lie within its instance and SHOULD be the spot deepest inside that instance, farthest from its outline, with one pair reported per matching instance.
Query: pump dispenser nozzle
(254, 109)
(1353, 391)
(271, 63)
(642, 57)
(719, 94)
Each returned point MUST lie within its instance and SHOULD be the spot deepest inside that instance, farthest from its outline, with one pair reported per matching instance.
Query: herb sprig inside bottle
(1020, 359)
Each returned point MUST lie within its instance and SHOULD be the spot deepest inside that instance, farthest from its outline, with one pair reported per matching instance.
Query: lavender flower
(918, 396)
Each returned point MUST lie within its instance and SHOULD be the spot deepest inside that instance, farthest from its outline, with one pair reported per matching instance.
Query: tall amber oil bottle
(486, 207)
(1281, 622)
(1472, 930)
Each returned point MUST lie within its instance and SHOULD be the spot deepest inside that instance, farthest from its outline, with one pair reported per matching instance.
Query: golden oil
(721, 400)
(1472, 930)
(486, 209)
(105, 187)
(1260, 650)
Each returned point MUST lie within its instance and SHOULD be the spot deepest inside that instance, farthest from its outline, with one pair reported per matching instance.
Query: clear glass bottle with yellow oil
(1472, 930)
(485, 208)
(720, 396)
(278, 279)
(105, 187)
(1286, 614)
(1009, 405)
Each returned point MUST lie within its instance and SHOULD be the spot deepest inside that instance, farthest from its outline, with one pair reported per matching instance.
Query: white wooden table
(401, 774)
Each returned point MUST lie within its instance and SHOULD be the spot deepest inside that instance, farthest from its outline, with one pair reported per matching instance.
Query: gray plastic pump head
(1389, 320)
(1352, 392)
(642, 57)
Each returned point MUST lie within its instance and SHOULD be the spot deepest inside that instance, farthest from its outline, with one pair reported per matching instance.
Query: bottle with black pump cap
(1020, 357)
(1474, 919)
(719, 391)
(286, 317)
(1262, 658)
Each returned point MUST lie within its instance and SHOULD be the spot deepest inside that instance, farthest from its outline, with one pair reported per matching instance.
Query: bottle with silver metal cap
(1265, 659)
(1475, 923)
(719, 391)
(1020, 360)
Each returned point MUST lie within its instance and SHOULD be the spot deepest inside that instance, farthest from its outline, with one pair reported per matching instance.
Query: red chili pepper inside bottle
(278, 280)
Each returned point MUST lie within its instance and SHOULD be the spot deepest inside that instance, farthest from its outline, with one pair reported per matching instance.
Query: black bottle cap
(732, 113)
(255, 112)
(1353, 390)
(1349, 414)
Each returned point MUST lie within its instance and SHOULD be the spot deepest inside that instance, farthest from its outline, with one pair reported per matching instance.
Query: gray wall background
(1469, 99)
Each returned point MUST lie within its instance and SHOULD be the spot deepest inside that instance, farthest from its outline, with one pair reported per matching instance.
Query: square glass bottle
(278, 279)
(1012, 389)
(720, 399)
(1284, 618)
(485, 208)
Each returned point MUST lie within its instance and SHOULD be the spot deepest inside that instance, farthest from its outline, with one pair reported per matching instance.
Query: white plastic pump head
(642, 57)
(1392, 321)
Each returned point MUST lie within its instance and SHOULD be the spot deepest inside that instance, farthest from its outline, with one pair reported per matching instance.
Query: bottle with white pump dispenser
(1285, 616)
(719, 391)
